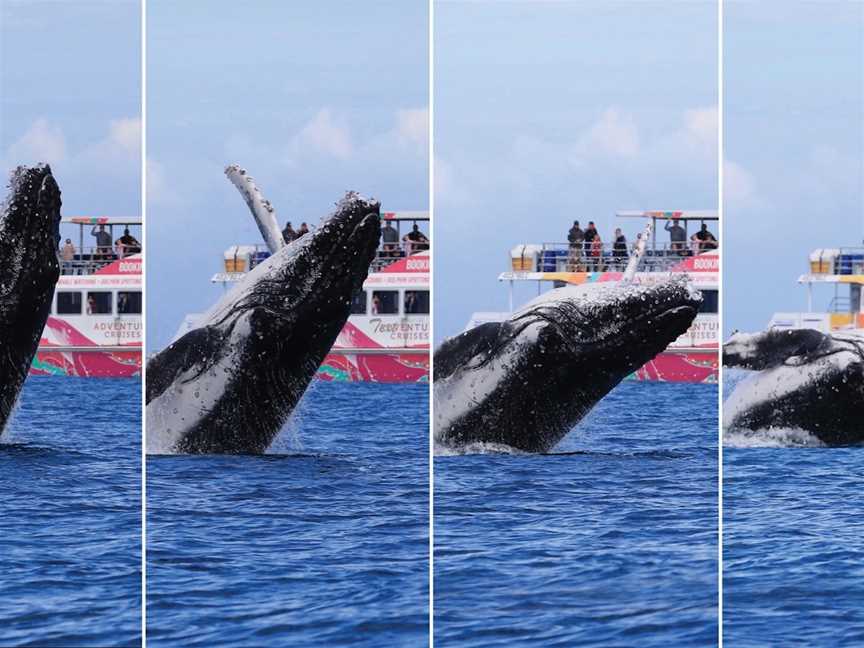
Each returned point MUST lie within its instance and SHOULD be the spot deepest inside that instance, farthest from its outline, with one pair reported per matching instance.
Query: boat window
(385, 302)
(129, 303)
(68, 303)
(99, 303)
(416, 302)
(358, 303)
(710, 301)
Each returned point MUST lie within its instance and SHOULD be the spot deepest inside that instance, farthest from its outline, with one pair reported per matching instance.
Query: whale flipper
(477, 342)
(192, 351)
(772, 348)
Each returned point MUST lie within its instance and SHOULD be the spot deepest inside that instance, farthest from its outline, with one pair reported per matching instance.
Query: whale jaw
(526, 382)
(230, 385)
(29, 269)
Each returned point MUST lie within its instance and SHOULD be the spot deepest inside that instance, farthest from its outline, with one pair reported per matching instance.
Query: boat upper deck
(115, 239)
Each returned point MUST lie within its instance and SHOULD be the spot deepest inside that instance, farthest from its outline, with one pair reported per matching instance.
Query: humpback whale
(29, 236)
(525, 382)
(230, 385)
(806, 380)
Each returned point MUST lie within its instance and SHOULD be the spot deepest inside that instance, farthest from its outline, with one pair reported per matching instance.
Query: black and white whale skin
(807, 380)
(29, 269)
(230, 385)
(525, 382)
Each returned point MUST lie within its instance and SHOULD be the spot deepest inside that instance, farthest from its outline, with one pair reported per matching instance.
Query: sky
(70, 95)
(794, 150)
(313, 99)
(546, 112)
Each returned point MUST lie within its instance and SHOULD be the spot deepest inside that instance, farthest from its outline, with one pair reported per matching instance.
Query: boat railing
(391, 252)
(88, 260)
(590, 257)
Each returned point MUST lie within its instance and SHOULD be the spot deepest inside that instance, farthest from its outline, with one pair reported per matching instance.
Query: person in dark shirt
(705, 238)
(304, 229)
(288, 234)
(576, 238)
(416, 240)
(590, 232)
(619, 249)
(103, 242)
(127, 244)
(677, 235)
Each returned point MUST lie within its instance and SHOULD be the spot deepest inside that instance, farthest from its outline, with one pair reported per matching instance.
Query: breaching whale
(29, 269)
(525, 382)
(230, 385)
(806, 380)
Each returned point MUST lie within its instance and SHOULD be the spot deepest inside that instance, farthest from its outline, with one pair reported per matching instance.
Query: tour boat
(95, 327)
(386, 337)
(840, 269)
(693, 357)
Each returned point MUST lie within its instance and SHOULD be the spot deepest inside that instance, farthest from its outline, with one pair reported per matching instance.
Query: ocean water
(324, 543)
(793, 540)
(612, 542)
(70, 515)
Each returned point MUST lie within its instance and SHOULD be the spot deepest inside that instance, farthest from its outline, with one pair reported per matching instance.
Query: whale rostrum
(527, 381)
(229, 385)
(29, 269)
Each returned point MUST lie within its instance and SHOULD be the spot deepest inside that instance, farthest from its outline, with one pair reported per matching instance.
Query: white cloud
(325, 134)
(614, 135)
(739, 186)
(126, 134)
(412, 126)
(703, 124)
(42, 142)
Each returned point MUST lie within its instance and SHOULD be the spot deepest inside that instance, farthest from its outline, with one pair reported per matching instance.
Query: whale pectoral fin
(458, 351)
(196, 348)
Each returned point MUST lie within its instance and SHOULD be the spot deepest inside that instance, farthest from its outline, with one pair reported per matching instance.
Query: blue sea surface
(793, 541)
(611, 542)
(325, 544)
(70, 515)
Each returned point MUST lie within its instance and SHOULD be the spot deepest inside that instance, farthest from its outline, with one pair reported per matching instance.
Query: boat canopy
(661, 214)
(102, 220)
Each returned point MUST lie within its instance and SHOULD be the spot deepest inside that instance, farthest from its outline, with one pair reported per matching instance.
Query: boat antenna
(638, 253)
(262, 210)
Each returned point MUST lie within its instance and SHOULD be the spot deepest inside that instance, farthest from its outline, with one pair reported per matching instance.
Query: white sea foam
(770, 438)
(478, 447)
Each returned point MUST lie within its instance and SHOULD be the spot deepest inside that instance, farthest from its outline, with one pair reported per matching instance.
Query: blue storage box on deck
(259, 257)
(549, 260)
(850, 263)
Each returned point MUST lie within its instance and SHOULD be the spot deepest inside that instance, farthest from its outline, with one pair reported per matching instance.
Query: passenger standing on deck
(596, 252)
(706, 240)
(304, 229)
(415, 240)
(67, 254)
(677, 235)
(103, 241)
(288, 234)
(619, 249)
(576, 238)
(390, 238)
(127, 244)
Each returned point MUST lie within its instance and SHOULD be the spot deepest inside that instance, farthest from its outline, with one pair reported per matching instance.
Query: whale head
(527, 381)
(231, 384)
(29, 269)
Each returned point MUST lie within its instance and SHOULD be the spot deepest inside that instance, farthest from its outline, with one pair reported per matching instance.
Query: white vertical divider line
(723, 257)
(145, 249)
(431, 127)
